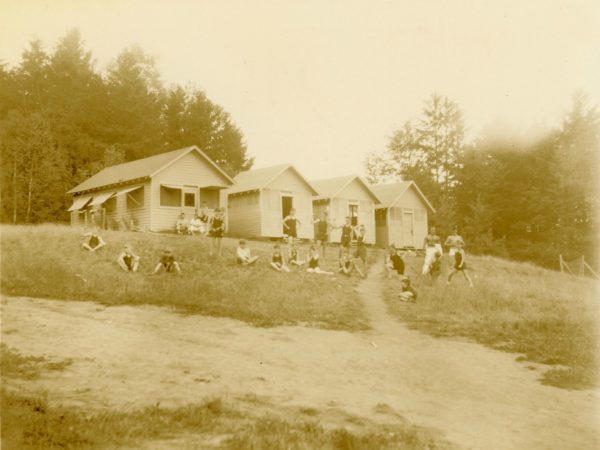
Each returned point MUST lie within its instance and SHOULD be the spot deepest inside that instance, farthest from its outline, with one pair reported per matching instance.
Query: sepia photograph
(298, 225)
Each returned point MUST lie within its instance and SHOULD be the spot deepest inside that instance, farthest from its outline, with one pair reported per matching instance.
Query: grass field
(29, 422)
(549, 317)
(47, 261)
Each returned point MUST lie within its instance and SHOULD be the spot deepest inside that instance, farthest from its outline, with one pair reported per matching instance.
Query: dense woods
(527, 197)
(62, 120)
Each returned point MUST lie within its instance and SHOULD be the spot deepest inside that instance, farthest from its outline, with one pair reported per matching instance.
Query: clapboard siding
(243, 217)
(392, 231)
(190, 171)
(272, 212)
(356, 192)
(121, 214)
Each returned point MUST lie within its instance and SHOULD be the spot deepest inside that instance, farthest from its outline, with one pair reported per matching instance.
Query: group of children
(213, 226)
(204, 224)
(432, 265)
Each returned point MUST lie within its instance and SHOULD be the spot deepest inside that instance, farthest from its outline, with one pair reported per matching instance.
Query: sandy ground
(126, 357)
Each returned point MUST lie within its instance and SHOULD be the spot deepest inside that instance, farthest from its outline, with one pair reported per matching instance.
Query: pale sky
(321, 83)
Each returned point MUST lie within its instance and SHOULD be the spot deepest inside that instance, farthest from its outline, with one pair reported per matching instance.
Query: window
(111, 204)
(135, 198)
(170, 196)
(189, 199)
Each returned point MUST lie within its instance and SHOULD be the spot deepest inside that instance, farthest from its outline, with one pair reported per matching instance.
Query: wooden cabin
(347, 196)
(261, 198)
(401, 218)
(149, 193)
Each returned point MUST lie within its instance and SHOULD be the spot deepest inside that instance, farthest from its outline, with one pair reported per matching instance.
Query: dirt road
(125, 357)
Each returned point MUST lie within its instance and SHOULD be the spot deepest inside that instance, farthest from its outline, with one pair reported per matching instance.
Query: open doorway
(287, 203)
(353, 214)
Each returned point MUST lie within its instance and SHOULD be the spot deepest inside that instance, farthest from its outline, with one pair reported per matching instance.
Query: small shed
(149, 193)
(401, 218)
(347, 196)
(261, 198)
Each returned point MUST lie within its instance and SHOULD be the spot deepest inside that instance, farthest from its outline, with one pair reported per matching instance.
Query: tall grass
(47, 261)
(549, 317)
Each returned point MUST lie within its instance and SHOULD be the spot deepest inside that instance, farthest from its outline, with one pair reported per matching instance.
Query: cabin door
(287, 203)
(408, 235)
(353, 214)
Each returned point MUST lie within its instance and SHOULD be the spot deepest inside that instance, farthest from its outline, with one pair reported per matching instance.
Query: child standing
(313, 262)
(432, 245)
(435, 267)
(360, 254)
(244, 255)
(167, 262)
(277, 260)
(459, 266)
(127, 260)
(290, 227)
(347, 230)
(323, 227)
(204, 217)
(217, 230)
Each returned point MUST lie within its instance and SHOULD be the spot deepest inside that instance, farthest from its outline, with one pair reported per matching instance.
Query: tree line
(530, 198)
(62, 120)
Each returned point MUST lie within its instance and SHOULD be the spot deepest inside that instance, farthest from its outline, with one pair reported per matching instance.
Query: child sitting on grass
(407, 293)
(313, 262)
(459, 266)
(181, 226)
(196, 226)
(346, 264)
(394, 264)
(167, 263)
(295, 257)
(435, 267)
(277, 260)
(243, 254)
(95, 241)
(127, 260)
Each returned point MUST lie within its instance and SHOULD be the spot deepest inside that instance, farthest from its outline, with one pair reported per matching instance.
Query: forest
(62, 120)
(527, 196)
(530, 196)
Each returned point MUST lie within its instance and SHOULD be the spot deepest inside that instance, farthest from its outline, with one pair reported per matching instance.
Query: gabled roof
(332, 187)
(390, 193)
(256, 179)
(141, 168)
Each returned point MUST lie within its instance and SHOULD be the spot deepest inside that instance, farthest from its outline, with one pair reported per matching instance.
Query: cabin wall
(243, 214)
(396, 228)
(356, 193)
(272, 211)
(190, 172)
(120, 215)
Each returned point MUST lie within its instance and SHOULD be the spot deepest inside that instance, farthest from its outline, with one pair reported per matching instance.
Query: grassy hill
(47, 261)
(549, 317)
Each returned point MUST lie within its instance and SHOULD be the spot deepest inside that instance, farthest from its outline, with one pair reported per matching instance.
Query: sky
(321, 83)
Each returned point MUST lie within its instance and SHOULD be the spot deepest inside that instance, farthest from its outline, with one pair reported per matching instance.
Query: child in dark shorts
(394, 264)
(407, 293)
(459, 266)
(167, 263)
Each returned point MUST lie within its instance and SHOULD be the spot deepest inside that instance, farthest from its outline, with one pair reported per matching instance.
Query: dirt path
(125, 357)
